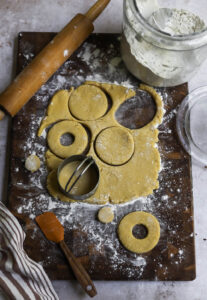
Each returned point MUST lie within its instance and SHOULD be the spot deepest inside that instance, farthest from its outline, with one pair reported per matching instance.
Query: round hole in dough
(125, 232)
(140, 231)
(74, 128)
(67, 139)
(137, 111)
(88, 103)
(106, 214)
(114, 145)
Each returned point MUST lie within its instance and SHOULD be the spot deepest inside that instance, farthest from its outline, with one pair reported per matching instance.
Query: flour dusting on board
(97, 240)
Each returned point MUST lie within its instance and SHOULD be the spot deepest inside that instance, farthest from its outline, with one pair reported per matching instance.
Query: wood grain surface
(96, 244)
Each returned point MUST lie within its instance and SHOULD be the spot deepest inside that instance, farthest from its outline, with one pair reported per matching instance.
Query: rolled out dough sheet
(138, 176)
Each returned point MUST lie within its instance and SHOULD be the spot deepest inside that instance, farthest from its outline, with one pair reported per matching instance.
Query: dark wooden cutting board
(96, 244)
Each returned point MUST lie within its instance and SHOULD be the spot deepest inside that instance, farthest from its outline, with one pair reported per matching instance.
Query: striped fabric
(20, 277)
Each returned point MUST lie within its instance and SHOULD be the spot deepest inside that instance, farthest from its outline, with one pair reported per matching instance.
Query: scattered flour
(66, 53)
(81, 217)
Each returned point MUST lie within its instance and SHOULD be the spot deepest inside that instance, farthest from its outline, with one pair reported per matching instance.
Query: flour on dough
(138, 175)
(88, 102)
(114, 145)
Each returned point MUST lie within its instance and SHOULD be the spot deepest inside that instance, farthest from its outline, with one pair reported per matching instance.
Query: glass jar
(192, 126)
(155, 56)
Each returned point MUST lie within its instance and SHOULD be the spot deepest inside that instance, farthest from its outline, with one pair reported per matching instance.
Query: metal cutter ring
(88, 161)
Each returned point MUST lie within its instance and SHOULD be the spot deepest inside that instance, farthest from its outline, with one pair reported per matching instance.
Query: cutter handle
(79, 271)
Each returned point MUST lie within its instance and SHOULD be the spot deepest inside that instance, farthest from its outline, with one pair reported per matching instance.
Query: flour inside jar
(154, 56)
(176, 21)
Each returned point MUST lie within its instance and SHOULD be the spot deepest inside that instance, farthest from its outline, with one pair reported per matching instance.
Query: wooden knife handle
(79, 271)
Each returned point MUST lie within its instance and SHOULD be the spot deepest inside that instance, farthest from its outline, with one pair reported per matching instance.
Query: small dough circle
(80, 138)
(139, 245)
(88, 103)
(114, 145)
(106, 214)
(32, 163)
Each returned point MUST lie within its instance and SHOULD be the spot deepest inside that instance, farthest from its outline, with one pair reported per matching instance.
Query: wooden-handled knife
(54, 231)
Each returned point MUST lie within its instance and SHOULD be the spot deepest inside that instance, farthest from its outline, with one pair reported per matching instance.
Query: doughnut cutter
(86, 162)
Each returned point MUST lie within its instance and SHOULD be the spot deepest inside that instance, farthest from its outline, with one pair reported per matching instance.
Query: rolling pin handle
(2, 114)
(96, 9)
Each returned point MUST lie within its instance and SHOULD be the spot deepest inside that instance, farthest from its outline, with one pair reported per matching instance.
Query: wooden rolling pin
(46, 63)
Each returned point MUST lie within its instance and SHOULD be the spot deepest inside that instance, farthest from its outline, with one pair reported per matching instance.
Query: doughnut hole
(67, 139)
(140, 231)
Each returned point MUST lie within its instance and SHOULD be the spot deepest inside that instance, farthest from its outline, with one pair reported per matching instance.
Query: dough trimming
(32, 163)
(106, 214)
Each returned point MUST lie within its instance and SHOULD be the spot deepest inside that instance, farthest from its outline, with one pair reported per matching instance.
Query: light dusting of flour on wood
(83, 217)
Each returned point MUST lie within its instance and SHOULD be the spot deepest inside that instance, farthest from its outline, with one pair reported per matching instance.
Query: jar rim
(162, 34)
(184, 129)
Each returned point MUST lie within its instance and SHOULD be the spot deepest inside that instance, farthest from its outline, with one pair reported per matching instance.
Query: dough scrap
(139, 245)
(88, 103)
(114, 145)
(32, 163)
(77, 130)
(118, 184)
(106, 214)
